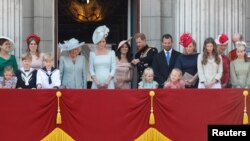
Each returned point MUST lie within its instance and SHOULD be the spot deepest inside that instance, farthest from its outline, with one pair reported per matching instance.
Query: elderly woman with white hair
(102, 62)
(72, 65)
(240, 67)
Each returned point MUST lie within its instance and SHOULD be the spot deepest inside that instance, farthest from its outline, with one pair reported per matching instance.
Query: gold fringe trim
(58, 135)
(151, 116)
(58, 115)
(245, 116)
(152, 134)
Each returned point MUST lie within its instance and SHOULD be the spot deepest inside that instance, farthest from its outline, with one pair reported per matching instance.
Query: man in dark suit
(144, 56)
(164, 61)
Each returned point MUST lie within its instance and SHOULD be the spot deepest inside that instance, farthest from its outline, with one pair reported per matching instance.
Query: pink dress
(123, 75)
(178, 85)
(37, 63)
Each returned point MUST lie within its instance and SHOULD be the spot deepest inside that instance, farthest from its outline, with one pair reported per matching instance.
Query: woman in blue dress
(102, 61)
(72, 65)
(187, 62)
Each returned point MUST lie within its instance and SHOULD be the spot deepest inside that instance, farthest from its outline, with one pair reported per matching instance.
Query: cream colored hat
(123, 42)
(70, 44)
(99, 33)
(11, 42)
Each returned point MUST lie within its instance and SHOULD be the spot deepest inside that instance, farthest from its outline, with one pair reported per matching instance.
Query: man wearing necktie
(164, 61)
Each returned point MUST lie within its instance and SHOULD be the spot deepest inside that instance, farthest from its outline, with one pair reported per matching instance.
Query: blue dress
(73, 75)
(188, 63)
(148, 85)
(102, 66)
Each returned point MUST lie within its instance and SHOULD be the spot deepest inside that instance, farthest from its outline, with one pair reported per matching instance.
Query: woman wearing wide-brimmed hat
(102, 61)
(72, 65)
(124, 69)
(6, 59)
(33, 41)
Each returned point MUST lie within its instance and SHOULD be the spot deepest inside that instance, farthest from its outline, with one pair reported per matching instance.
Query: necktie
(167, 57)
(49, 76)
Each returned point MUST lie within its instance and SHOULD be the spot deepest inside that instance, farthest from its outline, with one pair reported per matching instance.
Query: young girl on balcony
(209, 66)
(175, 80)
(9, 79)
(148, 80)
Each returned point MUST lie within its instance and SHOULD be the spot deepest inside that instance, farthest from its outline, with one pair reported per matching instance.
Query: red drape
(117, 115)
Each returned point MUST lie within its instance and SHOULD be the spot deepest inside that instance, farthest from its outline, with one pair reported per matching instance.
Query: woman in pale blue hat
(102, 61)
(72, 65)
(6, 59)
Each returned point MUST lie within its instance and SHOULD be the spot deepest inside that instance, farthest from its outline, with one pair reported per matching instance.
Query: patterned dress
(8, 83)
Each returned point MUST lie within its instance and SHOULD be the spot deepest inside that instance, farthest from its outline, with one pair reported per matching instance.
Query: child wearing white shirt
(48, 76)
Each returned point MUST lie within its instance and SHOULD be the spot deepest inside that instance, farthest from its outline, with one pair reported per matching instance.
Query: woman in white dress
(102, 61)
(209, 66)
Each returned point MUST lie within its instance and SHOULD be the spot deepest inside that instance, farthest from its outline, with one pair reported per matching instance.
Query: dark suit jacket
(161, 67)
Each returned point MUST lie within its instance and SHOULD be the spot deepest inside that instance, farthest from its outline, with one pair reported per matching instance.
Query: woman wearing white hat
(6, 59)
(124, 69)
(102, 61)
(72, 66)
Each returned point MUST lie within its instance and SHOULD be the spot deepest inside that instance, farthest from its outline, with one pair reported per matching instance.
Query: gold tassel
(151, 116)
(58, 116)
(245, 116)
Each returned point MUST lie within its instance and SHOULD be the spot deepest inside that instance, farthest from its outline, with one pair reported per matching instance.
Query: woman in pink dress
(33, 41)
(124, 69)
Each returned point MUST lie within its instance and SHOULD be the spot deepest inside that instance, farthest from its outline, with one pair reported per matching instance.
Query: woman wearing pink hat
(124, 69)
(33, 41)
(6, 59)
(187, 62)
(102, 61)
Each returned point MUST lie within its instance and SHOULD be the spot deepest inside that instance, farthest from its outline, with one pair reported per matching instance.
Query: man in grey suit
(164, 61)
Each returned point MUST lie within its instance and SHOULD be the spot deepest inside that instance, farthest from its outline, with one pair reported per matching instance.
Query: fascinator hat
(123, 42)
(70, 44)
(222, 39)
(241, 45)
(10, 41)
(185, 39)
(100, 33)
(33, 37)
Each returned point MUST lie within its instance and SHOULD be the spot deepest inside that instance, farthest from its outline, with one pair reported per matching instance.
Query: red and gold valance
(112, 115)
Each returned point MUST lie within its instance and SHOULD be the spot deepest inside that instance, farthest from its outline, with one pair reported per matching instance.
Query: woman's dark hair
(129, 55)
(2, 41)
